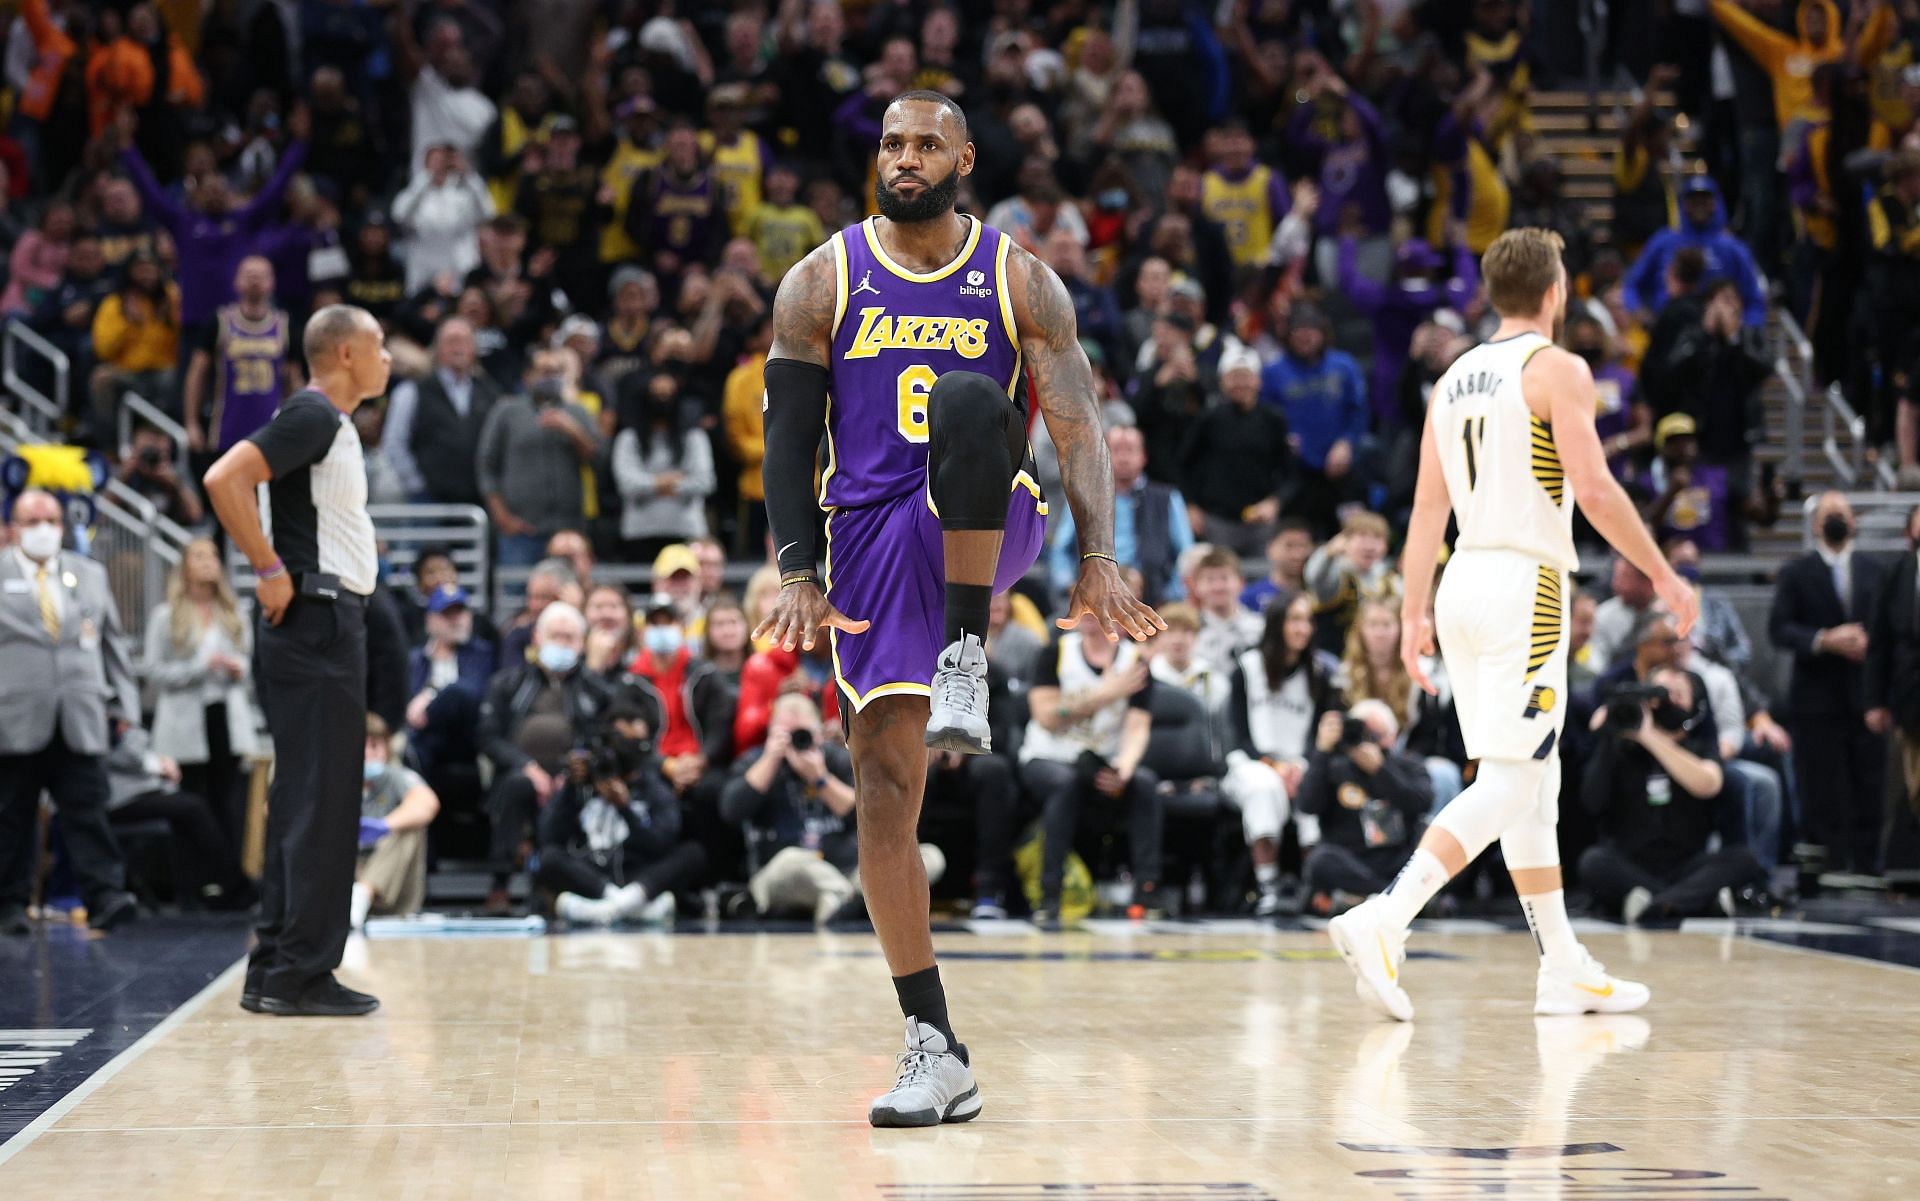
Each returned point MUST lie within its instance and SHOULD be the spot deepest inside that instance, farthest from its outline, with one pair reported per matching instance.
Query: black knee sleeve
(974, 426)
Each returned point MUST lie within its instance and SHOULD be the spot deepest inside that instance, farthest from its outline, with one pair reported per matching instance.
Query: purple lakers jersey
(895, 332)
(248, 382)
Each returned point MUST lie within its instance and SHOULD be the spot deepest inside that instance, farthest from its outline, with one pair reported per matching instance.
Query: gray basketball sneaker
(958, 721)
(933, 1086)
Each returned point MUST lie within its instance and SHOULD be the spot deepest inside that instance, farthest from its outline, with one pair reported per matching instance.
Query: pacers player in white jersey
(1509, 444)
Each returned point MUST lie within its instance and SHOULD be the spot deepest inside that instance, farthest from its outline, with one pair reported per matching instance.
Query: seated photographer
(536, 713)
(1371, 800)
(1092, 704)
(793, 792)
(1653, 785)
(146, 788)
(396, 807)
(1762, 796)
(610, 842)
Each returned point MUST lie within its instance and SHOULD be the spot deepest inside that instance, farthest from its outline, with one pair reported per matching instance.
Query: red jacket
(760, 682)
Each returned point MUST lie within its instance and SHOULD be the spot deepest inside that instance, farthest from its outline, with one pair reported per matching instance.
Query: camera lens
(802, 740)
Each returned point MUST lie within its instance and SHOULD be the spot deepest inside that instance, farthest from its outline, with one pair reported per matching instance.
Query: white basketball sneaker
(933, 1085)
(1585, 987)
(958, 720)
(1375, 952)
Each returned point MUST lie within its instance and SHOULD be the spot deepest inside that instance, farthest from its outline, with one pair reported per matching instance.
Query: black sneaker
(326, 999)
(250, 991)
(117, 909)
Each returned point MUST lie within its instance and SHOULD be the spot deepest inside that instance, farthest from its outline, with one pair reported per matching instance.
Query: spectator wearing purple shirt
(212, 233)
(1397, 309)
(1353, 165)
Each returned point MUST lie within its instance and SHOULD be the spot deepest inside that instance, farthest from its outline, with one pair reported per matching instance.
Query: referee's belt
(326, 586)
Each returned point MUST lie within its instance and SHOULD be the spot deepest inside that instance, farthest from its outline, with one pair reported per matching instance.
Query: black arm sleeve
(796, 415)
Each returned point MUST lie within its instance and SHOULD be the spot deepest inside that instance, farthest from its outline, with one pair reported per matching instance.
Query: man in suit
(67, 685)
(1821, 604)
(1893, 697)
(434, 423)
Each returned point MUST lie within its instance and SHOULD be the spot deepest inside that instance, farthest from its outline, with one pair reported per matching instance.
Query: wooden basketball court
(1140, 1064)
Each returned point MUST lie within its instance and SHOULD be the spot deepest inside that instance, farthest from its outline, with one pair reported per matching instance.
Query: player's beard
(934, 201)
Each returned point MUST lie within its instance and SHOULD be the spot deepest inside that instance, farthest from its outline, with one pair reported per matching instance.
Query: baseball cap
(636, 104)
(576, 325)
(1188, 288)
(1673, 425)
(675, 558)
(628, 274)
(561, 123)
(447, 596)
(659, 602)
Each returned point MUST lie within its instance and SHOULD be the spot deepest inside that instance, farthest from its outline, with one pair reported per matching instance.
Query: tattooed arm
(796, 416)
(1063, 387)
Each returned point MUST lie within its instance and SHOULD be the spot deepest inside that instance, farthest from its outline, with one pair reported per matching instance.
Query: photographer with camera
(531, 450)
(1371, 800)
(610, 839)
(1653, 786)
(151, 469)
(795, 796)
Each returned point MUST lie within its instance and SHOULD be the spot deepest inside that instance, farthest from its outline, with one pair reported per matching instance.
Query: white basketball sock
(1410, 891)
(1552, 932)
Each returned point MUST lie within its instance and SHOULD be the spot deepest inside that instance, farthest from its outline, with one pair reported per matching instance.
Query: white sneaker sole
(1381, 993)
(963, 1108)
(947, 737)
(1577, 1006)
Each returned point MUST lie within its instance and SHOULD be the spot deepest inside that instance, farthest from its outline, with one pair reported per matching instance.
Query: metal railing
(403, 530)
(1850, 467)
(20, 339)
(135, 406)
(1793, 365)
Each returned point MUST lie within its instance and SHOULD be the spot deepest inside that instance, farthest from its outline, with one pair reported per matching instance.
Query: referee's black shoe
(325, 998)
(14, 920)
(117, 909)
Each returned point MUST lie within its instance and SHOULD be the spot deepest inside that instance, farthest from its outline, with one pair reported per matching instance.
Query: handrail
(1590, 39)
(1850, 468)
(132, 405)
(50, 409)
(1799, 384)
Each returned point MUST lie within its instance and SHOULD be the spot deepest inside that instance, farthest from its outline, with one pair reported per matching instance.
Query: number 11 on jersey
(1473, 434)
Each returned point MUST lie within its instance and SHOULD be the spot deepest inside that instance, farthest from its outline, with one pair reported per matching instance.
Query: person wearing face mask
(1822, 602)
(68, 687)
(695, 699)
(534, 714)
(1893, 697)
(1653, 785)
(396, 807)
(611, 842)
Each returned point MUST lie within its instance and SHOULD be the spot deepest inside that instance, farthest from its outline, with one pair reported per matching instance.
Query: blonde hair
(1393, 687)
(183, 613)
(1181, 616)
(761, 586)
(1519, 268)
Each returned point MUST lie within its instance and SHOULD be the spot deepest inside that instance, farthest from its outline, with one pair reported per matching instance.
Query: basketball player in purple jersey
(904, 338)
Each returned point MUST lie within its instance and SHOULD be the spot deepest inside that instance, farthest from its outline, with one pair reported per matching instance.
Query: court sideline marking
(119, 1063)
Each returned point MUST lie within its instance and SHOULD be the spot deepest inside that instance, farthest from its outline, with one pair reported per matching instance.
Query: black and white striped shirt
(318, 494)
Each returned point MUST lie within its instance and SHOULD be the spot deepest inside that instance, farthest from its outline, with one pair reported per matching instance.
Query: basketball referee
(310, 657)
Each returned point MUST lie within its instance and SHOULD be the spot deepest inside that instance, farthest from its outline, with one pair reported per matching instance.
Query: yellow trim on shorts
(915, 277)
(892, 687)
(1020, 480)
(1549, 619)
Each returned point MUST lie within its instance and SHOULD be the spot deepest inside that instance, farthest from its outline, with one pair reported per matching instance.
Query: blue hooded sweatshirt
(1728, 256)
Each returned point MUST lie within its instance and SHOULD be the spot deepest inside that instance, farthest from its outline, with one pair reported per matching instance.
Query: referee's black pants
(311, 673)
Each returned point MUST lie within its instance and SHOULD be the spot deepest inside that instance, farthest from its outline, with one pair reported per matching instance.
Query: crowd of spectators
(571, 217)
